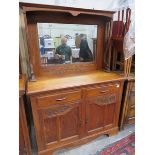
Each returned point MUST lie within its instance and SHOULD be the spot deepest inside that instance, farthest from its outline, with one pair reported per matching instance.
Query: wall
(110, 5)
(91, 4)
(56, 30)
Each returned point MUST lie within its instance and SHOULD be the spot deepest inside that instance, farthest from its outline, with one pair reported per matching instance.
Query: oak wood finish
(47, 83)
(24, 141)
(100, 102)
(72, 104)
(107, 43)
(28, 7)
(71, 110)
(128, 105)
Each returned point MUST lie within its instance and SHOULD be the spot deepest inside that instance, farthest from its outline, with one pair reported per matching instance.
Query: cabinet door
(102, 108)
(58, 120)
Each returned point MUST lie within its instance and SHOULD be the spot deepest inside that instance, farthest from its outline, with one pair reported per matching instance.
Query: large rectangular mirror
(66, 43)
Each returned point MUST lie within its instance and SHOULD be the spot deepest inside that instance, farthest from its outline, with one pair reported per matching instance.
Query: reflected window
(66, 43)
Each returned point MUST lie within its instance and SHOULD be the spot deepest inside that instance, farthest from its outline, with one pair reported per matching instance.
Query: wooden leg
(113, 133)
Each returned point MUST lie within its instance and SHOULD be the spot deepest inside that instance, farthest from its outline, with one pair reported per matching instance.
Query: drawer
(131, 112)
(101, 90)
(47, 100)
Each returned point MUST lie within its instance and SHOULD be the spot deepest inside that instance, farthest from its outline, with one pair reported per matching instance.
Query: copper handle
(117, 85)
(131, 118)
(103, 91)
(61, 99)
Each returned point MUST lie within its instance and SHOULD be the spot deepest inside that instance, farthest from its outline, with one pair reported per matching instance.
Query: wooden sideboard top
(21, 85)
(44, 84)
(33, 7)
(131, 77)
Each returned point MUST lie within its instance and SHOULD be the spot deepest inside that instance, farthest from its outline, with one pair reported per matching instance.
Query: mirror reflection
(66, 43)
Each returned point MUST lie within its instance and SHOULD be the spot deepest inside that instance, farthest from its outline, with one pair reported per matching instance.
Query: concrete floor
(96, 145)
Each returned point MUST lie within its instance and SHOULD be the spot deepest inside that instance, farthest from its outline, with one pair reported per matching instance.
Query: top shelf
(47, 83)
(31, 7)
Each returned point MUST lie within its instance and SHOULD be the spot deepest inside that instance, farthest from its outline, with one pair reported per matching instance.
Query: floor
(97, 144)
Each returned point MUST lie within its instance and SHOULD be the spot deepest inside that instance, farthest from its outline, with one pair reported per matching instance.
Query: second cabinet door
(102, 108)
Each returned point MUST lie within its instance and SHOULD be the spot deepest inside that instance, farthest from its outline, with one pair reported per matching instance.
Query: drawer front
(102, 89)
(48, 100)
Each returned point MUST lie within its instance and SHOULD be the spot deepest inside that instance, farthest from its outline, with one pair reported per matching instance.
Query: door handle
(61, 99)
(104, 91)
(117, 85)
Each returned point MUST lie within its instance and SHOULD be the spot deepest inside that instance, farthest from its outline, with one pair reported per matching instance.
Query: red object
(125, 146)
(121, 26)
(118, 29)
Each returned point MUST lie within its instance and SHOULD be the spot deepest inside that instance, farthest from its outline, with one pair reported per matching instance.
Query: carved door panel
(101, 111)
(57, 124)
(63, 119)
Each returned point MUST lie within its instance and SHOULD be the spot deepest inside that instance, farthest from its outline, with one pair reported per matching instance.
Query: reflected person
(85, 53)
(63, 52)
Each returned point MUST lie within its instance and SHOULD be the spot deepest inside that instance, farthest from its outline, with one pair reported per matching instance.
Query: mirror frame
(64, 15)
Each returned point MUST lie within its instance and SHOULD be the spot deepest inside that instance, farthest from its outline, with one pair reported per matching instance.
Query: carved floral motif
(104, 100)
(59, 110)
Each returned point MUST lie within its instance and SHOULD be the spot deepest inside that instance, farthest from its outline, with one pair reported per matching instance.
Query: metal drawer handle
(104, 91)
(131, 118)
(61, 99)
(117, 85)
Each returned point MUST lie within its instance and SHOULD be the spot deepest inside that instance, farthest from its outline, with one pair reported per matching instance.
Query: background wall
(91, 4)
(56, 30)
